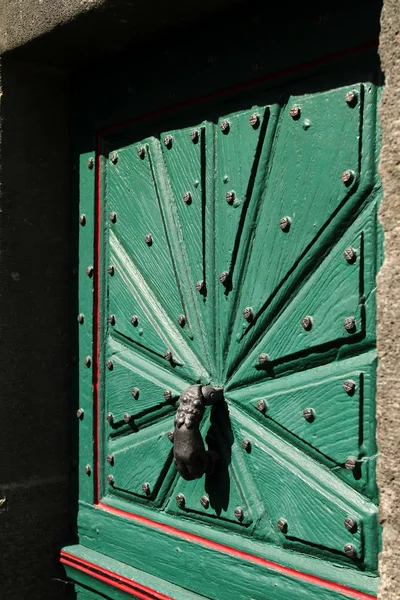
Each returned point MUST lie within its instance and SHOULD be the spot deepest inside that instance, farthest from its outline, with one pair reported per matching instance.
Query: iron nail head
(349, 324)
(285, 223)
(350, 550)
(282, 525)
(238, 512)
(350, 524)
(350, 254)
(254, 120)
(194, 136)
(350, 463)
(295, 111)
(225, 126)
(204, 501)
(307, 323)
(349, 386)
(309, 414)
(180, 500)
(263, 358)
(248, 313)
(348, 176)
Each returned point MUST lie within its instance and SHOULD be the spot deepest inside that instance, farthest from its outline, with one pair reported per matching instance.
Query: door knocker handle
(191, 458)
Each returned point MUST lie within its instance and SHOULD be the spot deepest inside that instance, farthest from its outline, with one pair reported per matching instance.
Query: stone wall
(389, 306)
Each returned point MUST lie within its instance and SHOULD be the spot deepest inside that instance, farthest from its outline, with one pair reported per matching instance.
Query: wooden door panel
(238, 249)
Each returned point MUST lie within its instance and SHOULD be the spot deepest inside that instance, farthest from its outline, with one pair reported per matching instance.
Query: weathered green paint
(294, 469)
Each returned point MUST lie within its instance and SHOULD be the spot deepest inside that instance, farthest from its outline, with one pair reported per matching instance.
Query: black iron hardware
(191, 458)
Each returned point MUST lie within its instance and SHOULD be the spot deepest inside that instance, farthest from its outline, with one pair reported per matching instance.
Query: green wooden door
(236, 250)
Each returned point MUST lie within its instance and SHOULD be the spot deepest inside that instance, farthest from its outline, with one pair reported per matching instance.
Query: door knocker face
(191, 458)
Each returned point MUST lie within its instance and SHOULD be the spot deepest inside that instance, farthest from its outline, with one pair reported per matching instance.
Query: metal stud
(200, 286)
(350, 524)
(90, 163)
(230, 197)
(146, 489)
(134, 320)
(113, 217)
(114, 158)
(246, 445)
(254, 120)
(205, 502)
(351, 97)
(168, 141)
(248, 313)
(194, 136)
(187, 197)
(110, 479)
(170, 435)
(295, 112)
(261, 406)
(82, 220)
(307, 323)
(110, 365)
(309, 414)
(168, 355)
(89, 271)
(224, 277)
(127, 417)
(350, 254)
(282, 525)
(349, 324)
(349, 386)
(181, 320)
(225, 126)
(350, 463)
(135, 393)
(88, 361)
(110, 418)
(110, 459)
(348, 176)
(88, 470)
(285, 223)
(263, 359)
(167, 395)
(111, 270)
(141, 152)
(350, 550)
(80, 318)
(111, 319)
(180, 500)
(238, 512)
(148, 239)
(80, 413)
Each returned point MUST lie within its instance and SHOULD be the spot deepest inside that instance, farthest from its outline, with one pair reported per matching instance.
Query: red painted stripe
(246, 85)
(119, 581)
(313, 579)
(192, 537)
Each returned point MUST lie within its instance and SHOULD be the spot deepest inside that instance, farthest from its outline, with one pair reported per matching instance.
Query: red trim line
(192, 537)
(246, 85)
(119, 581)
(313, 579)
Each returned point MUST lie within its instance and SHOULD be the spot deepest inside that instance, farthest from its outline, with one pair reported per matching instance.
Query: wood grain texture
(274, 465)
